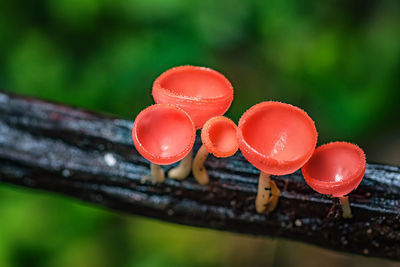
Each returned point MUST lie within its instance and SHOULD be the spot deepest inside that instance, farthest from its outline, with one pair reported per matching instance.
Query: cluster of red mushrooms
(275, 137)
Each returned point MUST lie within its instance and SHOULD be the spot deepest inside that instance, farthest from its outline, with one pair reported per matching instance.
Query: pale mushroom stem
(267, 194)
(157, 174)
(198, 169)
(182, 171)
(346, 211)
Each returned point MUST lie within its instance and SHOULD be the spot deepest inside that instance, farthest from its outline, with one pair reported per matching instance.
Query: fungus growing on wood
(219, 138)
(336, 169)
(202, 92)
(278, 139)
(163, 134)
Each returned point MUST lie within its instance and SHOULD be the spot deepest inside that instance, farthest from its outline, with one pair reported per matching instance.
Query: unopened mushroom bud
(278, 139)
(336, 169)
(202, 92)
(219, 138)
(163, 134)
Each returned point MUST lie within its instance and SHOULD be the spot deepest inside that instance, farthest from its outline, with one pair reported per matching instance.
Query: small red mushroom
(202, 92)
(219, 138)
(336, 169)
(278, 139)
(163, 134)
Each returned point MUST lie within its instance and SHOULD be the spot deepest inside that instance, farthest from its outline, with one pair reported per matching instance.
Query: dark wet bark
(90, 156)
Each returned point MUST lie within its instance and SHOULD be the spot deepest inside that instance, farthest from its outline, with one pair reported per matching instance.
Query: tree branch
(91, 157)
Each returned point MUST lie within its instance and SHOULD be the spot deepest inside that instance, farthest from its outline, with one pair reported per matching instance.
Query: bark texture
(90, 156)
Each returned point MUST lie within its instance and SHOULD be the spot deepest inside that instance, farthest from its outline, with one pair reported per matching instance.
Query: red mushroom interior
(279, 131)
(335, 163)
(165, 132)
(220, 137)
(196, 83)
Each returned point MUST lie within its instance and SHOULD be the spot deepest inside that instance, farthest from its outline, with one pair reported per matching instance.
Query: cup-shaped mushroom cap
(277, 138)
(335, 169)
(219, 136)
(202, 92)
(163, 134)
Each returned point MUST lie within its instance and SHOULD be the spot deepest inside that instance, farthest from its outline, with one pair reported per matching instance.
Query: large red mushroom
(278, 139)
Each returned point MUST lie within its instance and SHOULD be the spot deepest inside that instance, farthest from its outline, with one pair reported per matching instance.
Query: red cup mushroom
(336, 169)
(219, 138)
(157, 139)
(202, 92)
(278, 139)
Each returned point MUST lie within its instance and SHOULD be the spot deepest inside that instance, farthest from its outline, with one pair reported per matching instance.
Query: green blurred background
(339, 60)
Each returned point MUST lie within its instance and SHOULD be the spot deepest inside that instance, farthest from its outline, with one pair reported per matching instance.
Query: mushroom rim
(205, 100)
(244, 145)
(206, 140)
(153, 157)
(338, 184)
